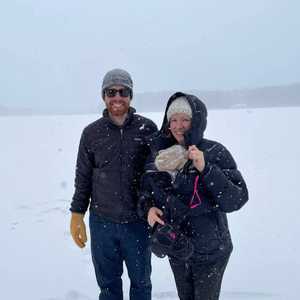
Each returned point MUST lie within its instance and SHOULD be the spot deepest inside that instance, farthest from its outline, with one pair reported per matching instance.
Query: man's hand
(197, 157)
(77, 228)
(154, 215)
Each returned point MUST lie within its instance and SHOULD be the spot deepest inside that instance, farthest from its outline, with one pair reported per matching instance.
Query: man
(110, 162)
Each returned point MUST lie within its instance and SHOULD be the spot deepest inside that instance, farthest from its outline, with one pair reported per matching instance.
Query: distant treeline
(275, 96)
(251, 98)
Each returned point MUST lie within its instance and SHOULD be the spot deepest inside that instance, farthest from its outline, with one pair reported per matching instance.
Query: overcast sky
(58, 51)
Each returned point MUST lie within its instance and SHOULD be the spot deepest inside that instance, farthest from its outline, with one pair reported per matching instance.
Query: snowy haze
(39, 260)
(54, 53)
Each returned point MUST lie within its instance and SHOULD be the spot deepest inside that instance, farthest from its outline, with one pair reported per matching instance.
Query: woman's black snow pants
(199, 280)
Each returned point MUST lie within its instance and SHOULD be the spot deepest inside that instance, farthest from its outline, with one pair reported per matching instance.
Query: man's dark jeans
(115, 243)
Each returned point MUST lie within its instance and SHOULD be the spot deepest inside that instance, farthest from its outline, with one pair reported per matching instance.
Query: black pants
(199, 280)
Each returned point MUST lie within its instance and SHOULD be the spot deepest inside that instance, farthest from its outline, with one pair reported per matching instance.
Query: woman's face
(179, 124)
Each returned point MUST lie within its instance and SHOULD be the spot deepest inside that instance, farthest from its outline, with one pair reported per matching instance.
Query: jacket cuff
(206, 169)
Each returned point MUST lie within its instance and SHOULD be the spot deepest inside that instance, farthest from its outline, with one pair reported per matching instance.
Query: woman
(189, 185)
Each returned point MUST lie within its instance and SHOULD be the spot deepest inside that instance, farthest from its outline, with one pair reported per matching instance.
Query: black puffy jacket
(109, 166)
(221, 186)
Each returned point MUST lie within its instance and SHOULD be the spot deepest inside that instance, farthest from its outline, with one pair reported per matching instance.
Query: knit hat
(117, 77)
(179, 105)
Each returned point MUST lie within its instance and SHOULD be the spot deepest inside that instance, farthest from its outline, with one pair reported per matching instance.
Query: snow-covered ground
(39, 260)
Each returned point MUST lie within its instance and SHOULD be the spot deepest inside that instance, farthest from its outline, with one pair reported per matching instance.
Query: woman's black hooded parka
(221, 186)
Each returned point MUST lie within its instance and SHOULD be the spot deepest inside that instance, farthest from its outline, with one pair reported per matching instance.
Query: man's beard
(118, 108)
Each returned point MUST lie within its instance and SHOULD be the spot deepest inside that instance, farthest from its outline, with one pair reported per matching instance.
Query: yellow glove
(77, 228)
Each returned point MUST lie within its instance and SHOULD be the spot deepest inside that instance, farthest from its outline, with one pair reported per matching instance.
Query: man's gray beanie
(117, 77)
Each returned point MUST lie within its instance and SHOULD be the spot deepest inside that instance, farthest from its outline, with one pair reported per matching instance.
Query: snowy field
(39, 260)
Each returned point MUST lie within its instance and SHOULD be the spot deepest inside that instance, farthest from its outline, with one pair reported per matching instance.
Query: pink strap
(195, 201)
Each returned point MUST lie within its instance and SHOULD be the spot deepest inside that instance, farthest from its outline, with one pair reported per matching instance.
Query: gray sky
(56, 52)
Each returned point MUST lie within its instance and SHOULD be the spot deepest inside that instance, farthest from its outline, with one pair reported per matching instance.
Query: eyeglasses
(122, 92)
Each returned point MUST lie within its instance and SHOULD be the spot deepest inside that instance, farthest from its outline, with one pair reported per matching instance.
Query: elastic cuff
(206, 169)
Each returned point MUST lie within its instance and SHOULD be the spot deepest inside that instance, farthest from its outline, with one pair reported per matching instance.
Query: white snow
(39, 260)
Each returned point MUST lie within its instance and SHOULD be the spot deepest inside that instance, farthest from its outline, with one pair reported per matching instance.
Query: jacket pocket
(206, 233)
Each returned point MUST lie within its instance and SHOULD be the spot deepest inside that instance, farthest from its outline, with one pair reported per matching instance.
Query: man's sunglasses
(122, 92)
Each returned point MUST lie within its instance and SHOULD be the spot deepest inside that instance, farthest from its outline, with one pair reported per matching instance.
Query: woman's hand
(154, 215)
(197, 157)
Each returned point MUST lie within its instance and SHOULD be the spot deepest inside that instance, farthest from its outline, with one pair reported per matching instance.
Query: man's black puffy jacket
(109, 166)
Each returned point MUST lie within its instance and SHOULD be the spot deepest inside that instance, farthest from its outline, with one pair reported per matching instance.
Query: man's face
(117, 100)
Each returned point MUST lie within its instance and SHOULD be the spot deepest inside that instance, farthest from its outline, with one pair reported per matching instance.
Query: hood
(199, 119)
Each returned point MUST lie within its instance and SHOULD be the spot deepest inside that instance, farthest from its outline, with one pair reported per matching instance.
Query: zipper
(121, 160)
